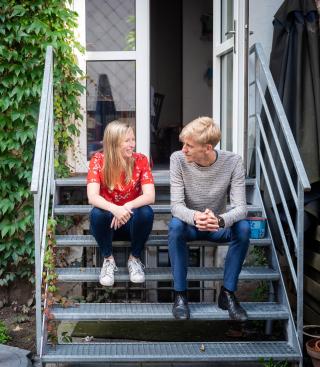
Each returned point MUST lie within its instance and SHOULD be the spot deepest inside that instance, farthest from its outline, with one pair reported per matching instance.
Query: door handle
(233, 33)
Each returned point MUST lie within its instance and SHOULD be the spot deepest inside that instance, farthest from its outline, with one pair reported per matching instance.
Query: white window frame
(141, 56)
(220, 49)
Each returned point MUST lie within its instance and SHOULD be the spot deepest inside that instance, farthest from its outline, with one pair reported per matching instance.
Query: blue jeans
(180, 233)
(136, 230)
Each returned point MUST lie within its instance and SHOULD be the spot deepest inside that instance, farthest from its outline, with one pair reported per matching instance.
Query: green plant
(131, 36)
(4, 337)
(65, 337)
(272, 363)
(26, 29)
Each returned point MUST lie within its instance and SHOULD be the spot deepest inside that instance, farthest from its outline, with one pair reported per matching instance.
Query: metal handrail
(42, 183)
(303, 178)
(302, 184)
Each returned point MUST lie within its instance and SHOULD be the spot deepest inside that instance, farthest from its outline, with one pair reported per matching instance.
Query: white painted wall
(261, 13)
(197, 56)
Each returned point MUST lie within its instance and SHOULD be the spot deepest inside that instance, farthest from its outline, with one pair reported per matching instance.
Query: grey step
(163, 311)
(170, 352)
(165, 208)
(154, 240)
(161, 178)
(164, 274)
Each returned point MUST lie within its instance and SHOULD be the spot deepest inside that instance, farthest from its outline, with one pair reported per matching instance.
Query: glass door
(116, 65)
(228, 71)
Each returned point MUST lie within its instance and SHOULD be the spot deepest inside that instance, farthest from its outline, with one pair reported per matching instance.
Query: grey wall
(197, 56)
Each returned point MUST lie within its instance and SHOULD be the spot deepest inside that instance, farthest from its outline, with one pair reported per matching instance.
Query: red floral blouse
(122, 193)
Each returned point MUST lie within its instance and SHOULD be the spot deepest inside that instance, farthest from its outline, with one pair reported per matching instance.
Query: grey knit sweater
(194, 188)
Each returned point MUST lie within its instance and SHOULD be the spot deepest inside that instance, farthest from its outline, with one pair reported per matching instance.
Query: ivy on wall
(27, 27)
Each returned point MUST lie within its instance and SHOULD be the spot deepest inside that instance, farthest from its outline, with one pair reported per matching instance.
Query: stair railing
(268, 109)
(42, 184)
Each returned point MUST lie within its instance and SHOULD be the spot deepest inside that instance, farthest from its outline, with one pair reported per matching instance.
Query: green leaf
(18, 11)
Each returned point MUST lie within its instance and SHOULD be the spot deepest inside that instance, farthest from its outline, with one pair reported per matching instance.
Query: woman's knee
(145, 213)
(98, 215)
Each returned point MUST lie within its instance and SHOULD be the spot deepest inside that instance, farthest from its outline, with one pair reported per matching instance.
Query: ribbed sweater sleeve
(177, 192)
(238, 201)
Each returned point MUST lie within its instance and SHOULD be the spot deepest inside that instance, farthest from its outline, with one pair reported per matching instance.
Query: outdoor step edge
(170, 352)
(161, 178)
(163, 311)
(154, 240)
(164, 273)
(164, 208)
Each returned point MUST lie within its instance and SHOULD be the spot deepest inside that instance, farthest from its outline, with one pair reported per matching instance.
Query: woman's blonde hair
(114, 164)
(203, 130)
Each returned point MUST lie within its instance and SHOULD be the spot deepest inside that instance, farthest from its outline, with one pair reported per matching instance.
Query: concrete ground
(14, 357)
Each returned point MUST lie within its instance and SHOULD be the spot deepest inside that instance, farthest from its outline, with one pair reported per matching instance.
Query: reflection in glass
(110, 25)
(226, 19)
(110, 96)
(226, 100)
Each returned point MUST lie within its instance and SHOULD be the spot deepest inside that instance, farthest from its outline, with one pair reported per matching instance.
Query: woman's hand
(121, 216)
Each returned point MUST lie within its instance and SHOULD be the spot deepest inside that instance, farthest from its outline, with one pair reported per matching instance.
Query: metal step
(163, 311)
(164, 274)
(154, 240)
(170, 352)
(162, 209)
(161, 178)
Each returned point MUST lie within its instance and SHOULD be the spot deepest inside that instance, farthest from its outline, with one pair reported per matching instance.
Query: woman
(120, 187)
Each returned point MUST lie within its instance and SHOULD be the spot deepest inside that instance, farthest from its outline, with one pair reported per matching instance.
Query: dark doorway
(180, 71)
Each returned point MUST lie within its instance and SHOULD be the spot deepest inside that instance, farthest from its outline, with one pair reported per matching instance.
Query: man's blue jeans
(180, 233)
(136, 230)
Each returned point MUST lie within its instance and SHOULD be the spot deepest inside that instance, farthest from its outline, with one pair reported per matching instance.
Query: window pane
(226, 19)
(110, 25)
(226, 100)
(110, 96)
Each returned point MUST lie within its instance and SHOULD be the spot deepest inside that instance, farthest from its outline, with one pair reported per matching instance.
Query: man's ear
(209, 148)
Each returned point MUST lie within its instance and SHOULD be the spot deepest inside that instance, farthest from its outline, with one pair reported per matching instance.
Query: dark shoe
(228, 301)
(180, 309)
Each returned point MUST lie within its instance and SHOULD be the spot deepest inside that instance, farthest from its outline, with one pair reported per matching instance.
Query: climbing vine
(27, 27)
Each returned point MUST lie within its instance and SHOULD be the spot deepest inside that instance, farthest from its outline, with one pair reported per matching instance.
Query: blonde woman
(120, 186)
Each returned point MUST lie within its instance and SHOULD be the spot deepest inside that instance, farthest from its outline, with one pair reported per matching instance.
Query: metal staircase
(45, 186)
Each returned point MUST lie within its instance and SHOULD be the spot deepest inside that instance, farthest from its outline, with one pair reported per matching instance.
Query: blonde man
(200, 177)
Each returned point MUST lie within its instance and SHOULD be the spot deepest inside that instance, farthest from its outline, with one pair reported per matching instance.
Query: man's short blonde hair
(202, 130)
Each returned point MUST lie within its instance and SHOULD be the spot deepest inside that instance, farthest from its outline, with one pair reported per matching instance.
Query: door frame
(235, 44)
(141, 56)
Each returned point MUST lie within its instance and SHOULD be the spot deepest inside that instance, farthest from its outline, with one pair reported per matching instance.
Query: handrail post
(37, 243)
(300, 255)
(42, 186)
(256, 110)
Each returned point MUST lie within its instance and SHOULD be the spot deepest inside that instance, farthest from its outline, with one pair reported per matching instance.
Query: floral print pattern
(123, 192)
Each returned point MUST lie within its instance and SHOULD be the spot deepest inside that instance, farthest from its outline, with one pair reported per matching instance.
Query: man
(200, 177)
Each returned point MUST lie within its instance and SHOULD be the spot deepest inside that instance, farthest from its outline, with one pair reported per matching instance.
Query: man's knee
(177, 227)
(241, 230)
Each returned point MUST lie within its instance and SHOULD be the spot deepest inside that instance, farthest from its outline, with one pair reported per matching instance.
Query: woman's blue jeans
(180, 233)
(136, 230)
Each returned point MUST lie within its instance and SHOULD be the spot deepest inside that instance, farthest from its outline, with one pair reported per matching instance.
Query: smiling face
(128, 144)
(194, 151)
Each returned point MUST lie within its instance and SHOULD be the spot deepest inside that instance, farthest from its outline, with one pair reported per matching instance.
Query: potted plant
(313, 345)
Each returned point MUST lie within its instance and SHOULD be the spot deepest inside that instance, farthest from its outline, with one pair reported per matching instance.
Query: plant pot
(313, 349)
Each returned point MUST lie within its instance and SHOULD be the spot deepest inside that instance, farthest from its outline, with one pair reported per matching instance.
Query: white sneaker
(106, 277)
(136, 272)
